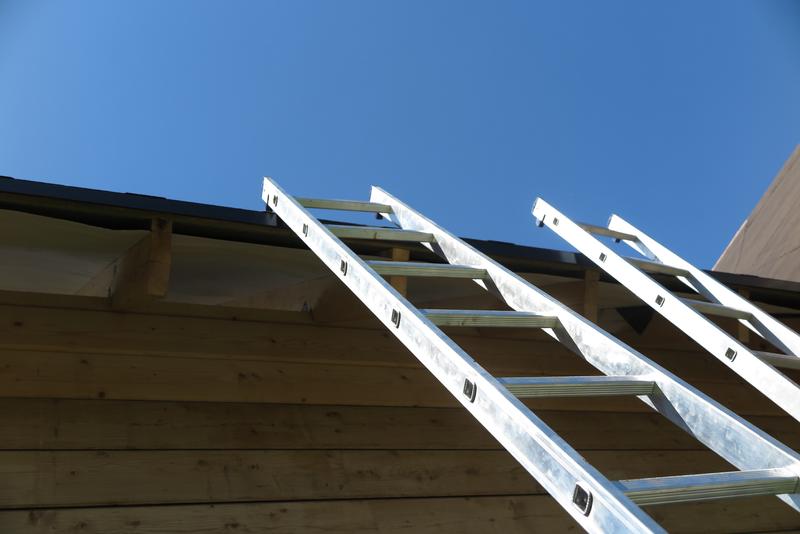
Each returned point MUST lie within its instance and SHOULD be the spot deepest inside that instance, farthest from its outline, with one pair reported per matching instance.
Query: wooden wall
(186, 419)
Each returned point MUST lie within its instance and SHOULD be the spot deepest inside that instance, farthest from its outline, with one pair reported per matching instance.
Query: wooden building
(768, 241)
(169, 367)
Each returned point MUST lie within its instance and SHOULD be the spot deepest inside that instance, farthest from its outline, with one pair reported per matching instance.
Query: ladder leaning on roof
(756, 367)
(767, 467)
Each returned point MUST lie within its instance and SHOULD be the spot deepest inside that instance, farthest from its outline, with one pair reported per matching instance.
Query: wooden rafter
(141, 273)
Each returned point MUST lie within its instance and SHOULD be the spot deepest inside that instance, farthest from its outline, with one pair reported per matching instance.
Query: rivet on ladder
(470, 390)
(343, 267)
(582, 498)
(603, 256)
(305, 230)
(274, 200)
(730, 354)
(555, 221)
(660, 300)
(396, 318)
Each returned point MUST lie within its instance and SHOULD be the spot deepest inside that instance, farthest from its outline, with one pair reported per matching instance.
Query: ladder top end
(614, 218)
(538, 206)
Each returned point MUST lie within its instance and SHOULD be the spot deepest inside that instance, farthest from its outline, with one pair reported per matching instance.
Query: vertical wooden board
(591, 279)
(400, 283)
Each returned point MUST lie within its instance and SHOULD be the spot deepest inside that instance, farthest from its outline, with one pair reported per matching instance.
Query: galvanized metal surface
(709, 486)
(602, 230)
(596, 503)
(730, 436)
(742, 360)
(343, 205)
(713, 308)
(488, 318)
(779, 360)
(556, 465)
(577, 386)
(656, 267)
(376, 232)
(439, 270)
(760, 322)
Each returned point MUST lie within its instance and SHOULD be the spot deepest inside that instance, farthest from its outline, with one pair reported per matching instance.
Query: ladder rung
(686, 488)
(656, 267)
(441, 270)
(343, 205)
(384, 234)
(577, 386)
(602, 230)
(712, 308)
(787, 361)
(509, 319)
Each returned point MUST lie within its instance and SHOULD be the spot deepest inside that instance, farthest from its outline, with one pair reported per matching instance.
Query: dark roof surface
(134, 211)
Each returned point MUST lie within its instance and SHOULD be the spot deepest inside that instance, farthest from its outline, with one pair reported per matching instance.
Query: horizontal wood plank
(32, 374)
(63, 424)
(470, 515)
(230, 337)
(91, 478)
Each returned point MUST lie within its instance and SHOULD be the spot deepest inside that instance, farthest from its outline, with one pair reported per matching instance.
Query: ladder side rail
(764, 324)
(733, 438)
(731, 352)
(546, 456)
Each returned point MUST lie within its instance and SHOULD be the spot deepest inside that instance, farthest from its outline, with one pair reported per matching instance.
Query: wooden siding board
(59, 424)
(463, 515)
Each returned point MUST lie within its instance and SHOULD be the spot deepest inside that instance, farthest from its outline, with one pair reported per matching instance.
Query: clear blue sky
(674, 114)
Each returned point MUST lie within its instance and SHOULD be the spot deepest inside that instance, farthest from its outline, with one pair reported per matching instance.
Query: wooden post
(743, 333)
(591, 280)
(400, 283)
(139, 275)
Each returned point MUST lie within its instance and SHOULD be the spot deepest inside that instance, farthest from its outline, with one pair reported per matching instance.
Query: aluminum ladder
(766, 467)
(759, 368)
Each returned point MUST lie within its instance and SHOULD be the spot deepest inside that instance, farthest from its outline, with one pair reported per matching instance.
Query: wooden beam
(591, 280)
(81, 304)
(400, 283)
(139, 275)
(742, 332)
